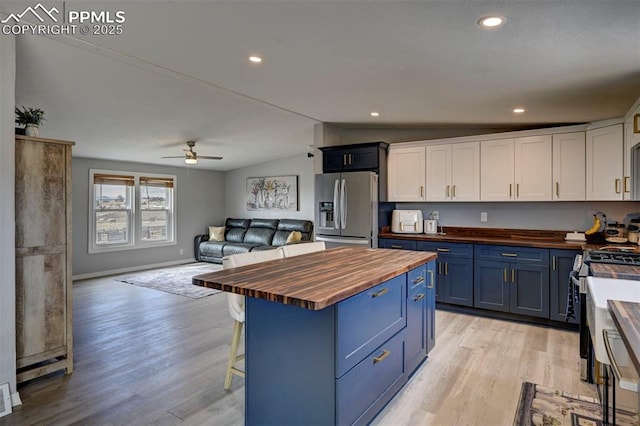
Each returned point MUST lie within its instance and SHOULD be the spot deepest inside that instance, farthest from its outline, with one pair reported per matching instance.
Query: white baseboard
(131, 269)
(15, 399)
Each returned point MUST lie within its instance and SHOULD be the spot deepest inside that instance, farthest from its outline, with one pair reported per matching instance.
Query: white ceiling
(179, 71)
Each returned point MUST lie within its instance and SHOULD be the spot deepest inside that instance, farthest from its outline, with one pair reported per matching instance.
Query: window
(130, 210)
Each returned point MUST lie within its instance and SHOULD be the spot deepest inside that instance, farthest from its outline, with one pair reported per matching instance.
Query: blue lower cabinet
(430, 313)
(454, 269)
(561, 266)
(342, 364)
(375, 379)
(368, 319)
(518, 283)
(529, 290)
(491, 285)
(395, 243)
(416, 333)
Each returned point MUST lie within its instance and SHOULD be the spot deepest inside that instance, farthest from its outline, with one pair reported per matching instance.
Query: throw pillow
(216, 233)
(294, 237)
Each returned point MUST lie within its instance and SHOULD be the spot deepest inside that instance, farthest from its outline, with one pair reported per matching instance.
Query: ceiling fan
(191, 157)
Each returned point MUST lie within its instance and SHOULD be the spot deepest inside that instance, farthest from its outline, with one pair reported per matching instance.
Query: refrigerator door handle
(343, 204)
(359, 241)
(336, 210)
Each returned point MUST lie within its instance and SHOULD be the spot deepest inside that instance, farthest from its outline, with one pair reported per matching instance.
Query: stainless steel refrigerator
(346, 209)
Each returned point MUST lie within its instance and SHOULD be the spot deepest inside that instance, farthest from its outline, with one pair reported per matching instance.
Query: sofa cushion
(264, 223)
(212, 248)
(235, 248)
(216, 233)
(236, 228)
(237, 223)
(259, 236)
(286, 226)
(294, 237)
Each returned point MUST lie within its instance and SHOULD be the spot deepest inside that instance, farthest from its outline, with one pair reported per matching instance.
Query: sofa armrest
(196, 244)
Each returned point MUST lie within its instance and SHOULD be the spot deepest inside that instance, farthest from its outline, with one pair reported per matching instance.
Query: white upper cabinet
(569, 167)
(439, 172)
(605, 163)
(406, 174)
(516, 169)
(453, 172)
(496, 170)
(532, 168)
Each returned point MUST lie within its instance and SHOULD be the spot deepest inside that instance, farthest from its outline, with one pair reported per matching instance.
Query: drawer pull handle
(510, 254)
(448, 191)
(626, 184)
(440, 268)
(385, 353)
(446, 268)
(418, 297)
(444, 250)
(379, 292)
(418, 280)
(504, 276)
(395, 246)
(513, 276)
(617, 186)
(432, 280)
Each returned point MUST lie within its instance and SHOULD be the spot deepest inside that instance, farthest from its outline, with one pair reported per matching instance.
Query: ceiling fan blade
(207, 157)
(178, 156)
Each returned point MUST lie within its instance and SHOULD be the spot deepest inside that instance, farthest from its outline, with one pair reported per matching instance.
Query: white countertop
(603, 289)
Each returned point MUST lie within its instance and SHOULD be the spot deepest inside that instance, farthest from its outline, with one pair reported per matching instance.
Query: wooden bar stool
(236, 306)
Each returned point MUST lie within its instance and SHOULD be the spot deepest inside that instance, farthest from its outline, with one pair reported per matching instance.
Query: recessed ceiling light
(518, 110)
(375, 114)
(491, 21)
(255, 59)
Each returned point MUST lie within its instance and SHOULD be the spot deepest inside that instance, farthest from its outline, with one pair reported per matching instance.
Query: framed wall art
(272, 193)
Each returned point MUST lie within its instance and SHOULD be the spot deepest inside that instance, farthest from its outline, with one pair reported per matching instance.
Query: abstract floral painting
(272, 193)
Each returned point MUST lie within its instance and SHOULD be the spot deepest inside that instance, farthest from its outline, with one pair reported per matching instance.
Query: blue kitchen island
(332, 336)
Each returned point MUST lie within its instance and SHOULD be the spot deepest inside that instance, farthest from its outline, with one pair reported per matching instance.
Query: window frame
(135, 240)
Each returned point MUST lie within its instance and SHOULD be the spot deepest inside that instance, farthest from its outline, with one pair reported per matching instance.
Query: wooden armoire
(44, 340)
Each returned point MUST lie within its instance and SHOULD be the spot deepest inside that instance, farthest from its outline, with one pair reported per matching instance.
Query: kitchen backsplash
(564, 216)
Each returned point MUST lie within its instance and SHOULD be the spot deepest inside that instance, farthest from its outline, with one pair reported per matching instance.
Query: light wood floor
(147, 357)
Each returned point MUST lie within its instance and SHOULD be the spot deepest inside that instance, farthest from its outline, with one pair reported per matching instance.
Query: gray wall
(200, 203)
(563, 216)
(7, 229)
(236, 187)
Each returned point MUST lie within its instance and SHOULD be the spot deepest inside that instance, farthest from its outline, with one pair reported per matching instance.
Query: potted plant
(31, 118)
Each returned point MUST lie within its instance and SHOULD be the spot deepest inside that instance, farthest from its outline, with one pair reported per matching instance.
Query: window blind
(104, 179)
(157, 182)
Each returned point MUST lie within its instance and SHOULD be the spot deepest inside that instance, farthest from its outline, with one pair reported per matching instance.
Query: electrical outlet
(181, 252)
(435, 215)
(483, 216)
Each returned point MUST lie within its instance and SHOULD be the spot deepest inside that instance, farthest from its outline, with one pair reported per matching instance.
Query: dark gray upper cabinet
(370, 156)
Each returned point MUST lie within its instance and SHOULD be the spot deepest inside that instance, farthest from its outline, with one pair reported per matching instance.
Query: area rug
(540, 405)
(175, 280)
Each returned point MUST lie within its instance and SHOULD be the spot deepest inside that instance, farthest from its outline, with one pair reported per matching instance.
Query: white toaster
(407, 222)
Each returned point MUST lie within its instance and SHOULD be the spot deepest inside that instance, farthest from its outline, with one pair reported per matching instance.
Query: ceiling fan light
(191, 161)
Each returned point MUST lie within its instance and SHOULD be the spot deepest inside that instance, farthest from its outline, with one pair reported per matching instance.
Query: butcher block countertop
(498, 236)
(317, 280)
(626, 316)
(623, 272)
